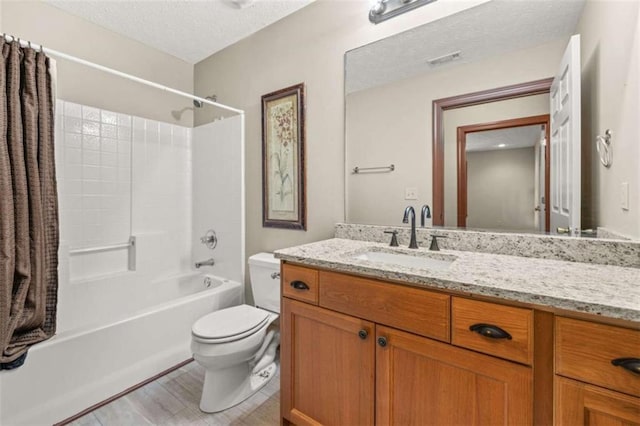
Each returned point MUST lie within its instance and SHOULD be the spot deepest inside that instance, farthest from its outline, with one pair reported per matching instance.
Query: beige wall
(55, 29)
(307, 46)
(486, 113)
(610, 44)
(501, 188)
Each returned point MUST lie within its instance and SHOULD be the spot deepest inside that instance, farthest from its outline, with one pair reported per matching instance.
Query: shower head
(200, 104)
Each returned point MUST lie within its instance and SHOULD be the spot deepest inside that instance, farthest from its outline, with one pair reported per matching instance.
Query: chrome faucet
(413, 244)
(208, 262)
(425, 214)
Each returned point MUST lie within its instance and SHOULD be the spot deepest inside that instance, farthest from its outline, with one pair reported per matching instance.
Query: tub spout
(208, 262)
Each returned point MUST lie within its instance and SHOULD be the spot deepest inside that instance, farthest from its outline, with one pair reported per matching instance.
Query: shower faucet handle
(210, 239)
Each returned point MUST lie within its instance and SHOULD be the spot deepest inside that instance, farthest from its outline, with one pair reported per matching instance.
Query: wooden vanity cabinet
(580, 403)
(328, 365)
(589, 388)
(376, 353)
(420, 381)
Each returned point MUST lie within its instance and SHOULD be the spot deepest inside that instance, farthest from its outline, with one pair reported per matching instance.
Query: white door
(565, 143)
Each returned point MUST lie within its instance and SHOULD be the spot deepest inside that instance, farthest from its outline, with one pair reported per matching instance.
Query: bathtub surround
(122, 175)
(93, 151)
(625, 253)
(216, 158)
(29, 210)
(116, 173)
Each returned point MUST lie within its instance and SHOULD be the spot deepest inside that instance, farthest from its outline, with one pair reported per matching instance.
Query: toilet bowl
(235, 345)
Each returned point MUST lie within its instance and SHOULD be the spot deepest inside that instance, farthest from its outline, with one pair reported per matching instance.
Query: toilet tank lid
(264, 259)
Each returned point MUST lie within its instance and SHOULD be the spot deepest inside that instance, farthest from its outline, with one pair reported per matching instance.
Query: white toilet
(233, 345)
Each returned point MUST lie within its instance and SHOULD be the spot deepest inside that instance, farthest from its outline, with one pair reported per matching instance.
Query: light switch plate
(411, 193)
(624, 196)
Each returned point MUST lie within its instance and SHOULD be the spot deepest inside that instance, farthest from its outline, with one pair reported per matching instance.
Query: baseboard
(121, 394)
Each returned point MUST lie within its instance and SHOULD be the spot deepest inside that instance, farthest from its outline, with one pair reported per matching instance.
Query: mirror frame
(536, 87)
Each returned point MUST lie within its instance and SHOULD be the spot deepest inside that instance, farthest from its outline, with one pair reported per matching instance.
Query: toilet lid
(230, 322)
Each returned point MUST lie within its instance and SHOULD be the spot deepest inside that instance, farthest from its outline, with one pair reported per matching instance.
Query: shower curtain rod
(71, 58)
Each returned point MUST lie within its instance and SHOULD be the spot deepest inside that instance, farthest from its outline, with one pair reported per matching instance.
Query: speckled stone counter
(610, 291)
(553, 247)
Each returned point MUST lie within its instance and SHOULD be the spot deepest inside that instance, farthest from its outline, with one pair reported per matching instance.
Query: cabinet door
(582, 404)
(327, 366)
(423, 382)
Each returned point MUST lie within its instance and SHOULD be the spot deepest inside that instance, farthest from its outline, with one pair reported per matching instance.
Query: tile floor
(174, 398)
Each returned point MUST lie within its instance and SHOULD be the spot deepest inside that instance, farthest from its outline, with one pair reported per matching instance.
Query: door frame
(530, 88)
(544, 119)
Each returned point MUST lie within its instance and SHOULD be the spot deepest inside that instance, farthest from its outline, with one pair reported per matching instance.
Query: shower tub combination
(138, 328)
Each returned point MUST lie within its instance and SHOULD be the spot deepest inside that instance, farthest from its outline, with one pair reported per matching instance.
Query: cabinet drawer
(477, 326)
(585, 351)
(300, 283)
(418, 311)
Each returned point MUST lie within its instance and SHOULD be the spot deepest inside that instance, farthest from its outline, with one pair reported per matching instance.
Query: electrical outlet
(624, 196)
(411, 193)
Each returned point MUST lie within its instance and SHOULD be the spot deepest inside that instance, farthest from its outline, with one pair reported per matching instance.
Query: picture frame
(283, 166)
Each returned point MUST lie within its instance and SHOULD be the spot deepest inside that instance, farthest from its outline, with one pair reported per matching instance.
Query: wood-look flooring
(173, 399)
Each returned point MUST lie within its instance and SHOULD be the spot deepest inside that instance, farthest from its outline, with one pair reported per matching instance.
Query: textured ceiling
(493, 28)
(188, 29)
(512, 138)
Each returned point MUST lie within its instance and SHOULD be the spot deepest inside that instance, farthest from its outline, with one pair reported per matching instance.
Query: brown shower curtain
(28, 204)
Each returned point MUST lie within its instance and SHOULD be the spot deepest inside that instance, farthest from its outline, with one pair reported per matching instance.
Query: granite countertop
(610, 291)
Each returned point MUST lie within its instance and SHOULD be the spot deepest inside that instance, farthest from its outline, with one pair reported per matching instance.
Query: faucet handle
(394, 238)
(434, 242)
(210, 239)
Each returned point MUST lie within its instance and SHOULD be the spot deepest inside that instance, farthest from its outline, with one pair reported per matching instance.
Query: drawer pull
(299, 285)
(491, 331)
(363, 334)
(382, 341)
(631, 364)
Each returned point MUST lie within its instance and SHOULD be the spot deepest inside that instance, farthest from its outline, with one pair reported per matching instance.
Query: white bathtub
(112, 334)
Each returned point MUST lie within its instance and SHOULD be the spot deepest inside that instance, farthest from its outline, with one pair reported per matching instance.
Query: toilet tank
(264, 274)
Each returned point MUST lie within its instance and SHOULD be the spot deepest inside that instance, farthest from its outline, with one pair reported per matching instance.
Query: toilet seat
(230, 324)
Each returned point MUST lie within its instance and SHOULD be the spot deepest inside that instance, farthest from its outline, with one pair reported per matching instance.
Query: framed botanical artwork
(283, 172)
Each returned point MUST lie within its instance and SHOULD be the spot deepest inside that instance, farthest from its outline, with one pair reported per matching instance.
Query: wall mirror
(390, 89)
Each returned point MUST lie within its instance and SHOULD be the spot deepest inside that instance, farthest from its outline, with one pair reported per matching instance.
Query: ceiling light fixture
(502, 145)
(386, 9)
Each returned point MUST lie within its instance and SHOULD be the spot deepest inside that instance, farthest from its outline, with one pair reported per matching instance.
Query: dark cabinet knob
(382, 341)
(363, 334)
(491, 331)
(630, 364)
(299, 285)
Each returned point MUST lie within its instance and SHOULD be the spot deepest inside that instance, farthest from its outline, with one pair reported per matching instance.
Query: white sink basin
(420, 260)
